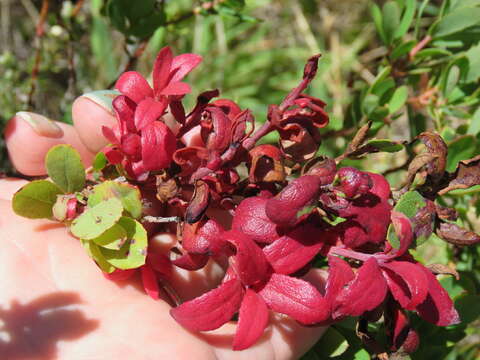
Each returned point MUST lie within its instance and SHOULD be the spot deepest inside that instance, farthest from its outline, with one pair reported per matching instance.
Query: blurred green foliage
(406, 65)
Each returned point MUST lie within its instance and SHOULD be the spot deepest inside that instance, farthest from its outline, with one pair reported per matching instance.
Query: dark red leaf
(199, 202)
(407, 283)
(251, 219)
(148, 111)
(212, 309)
(183, 64)
(364, 293)
(158, 146)
(294, 250)
(266, 164)
(339, 275)
(124, 109)
(192, 262)
(353, 182)
(286, 208)
(295, 298)
(203, 237)
(249, 261)
(438, 307)
(252, 320)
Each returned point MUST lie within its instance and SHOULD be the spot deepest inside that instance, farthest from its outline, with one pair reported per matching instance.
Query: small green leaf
(113, 238)
(128, 194)
(99, 162)
(65, 168)
(402, 50)
(408, 204)
(384, 145)
(474, 127)
(407, 19)
(378, 21)
(398, 99)
(133, 253)
(457, 21)
(467, 306)
(461, 148)
(382, 75)
(95, 253)
(391, 20)
(36, 199)
(95, 220)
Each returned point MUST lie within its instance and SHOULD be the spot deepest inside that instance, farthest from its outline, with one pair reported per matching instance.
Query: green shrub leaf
(128, 194)
(36, 199)
(65, 168)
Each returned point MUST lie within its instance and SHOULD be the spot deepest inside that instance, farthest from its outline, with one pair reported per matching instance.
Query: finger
(29, 136)
(90, 112)
(10, 186)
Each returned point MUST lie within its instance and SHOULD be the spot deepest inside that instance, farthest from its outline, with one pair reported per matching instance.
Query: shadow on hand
(34, 329)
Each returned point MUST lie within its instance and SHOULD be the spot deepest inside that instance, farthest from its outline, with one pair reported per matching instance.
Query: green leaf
(95, 253)
(332, 343)
(36, 199)
(113, 238)
(391, 20)
(128, 194)
(473, 56)
(99, 162)
(398, 99)
(378, 21)
(407, 19)
(384, 145)
(133, 253)
(461, 148)
(457, 21)
(95, 220)
(474, 127)
(402, 49)
(65, 168)
(382, 75)
(408, 204)
(467, 306)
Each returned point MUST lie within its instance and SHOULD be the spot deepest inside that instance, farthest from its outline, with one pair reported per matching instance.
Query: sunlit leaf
(95, 220)
(128, 194)
(65, 168)
(36, 199)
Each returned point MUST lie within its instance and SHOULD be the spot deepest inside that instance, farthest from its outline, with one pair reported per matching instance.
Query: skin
(55, 303)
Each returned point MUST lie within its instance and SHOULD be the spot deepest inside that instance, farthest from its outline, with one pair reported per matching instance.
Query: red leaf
(205, 237)
(134, 85)
(295, 298)
(339, 275)
(148, 111)
(407, 283)
(176, 88)
(110, 135)
(192, 262)
(131, 145)
(249, 262)
(403, 228)
(150, 284)
(251, 219)
(294, 250)
(113, 156)
(438, 307)
(183, 64)
(353, 182)
(252, 320)
(124, 109)
(120, 275)
(364, 293)
(158, 146)
(285, 208)
(161, 70)
(212, 309)
(403, 335)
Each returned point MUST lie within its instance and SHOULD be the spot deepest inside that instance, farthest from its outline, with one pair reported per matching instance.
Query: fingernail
(40, 124)
(103, 98)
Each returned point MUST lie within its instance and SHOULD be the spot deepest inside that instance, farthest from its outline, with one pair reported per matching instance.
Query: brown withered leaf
(440, 269)
(446, 213)
(436, 146)
(417, 163)
(466, 175)
(357, 141)
(423, 220)
(166, 188)
(199, 202)
(454, 234)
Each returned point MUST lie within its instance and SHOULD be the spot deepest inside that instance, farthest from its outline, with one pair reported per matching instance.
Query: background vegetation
(405, 65)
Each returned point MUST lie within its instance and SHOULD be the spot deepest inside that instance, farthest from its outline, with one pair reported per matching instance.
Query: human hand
(54, 301)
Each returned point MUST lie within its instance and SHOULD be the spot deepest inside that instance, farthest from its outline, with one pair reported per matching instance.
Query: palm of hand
(54, 303)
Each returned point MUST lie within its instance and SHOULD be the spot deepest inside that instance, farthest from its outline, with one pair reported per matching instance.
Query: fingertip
(90, 112)
(29, 136)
